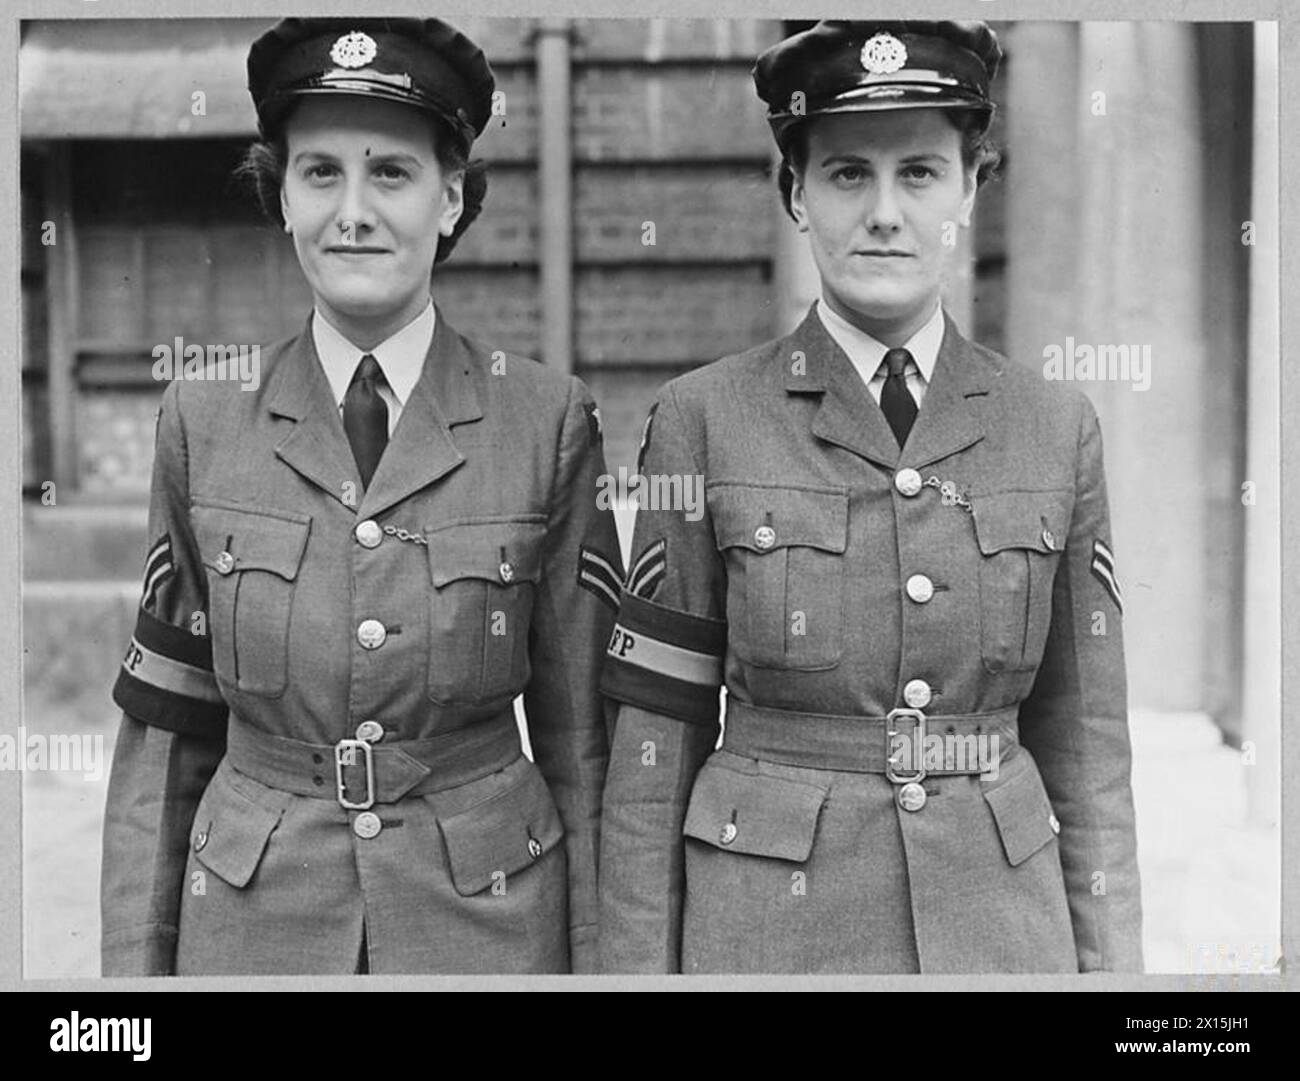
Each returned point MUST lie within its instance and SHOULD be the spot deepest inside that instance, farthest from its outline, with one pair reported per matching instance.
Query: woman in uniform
(904, 581)
(353, 572)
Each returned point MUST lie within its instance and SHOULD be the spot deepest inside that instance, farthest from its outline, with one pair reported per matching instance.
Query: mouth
(355, 249)
(884, 253)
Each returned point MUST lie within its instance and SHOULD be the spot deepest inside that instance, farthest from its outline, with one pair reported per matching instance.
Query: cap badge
(354, 50)
(883, 54)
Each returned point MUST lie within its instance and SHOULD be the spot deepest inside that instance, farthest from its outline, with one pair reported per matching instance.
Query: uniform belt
(859, 744)
(358, 773)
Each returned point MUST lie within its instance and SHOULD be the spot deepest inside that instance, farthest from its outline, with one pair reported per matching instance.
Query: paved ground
(1210, 881)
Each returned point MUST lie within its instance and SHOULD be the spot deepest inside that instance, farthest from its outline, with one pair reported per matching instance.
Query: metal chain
(948, 494)
(404, 535)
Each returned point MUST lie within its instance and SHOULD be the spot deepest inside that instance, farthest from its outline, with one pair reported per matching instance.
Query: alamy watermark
(211, 363)
(39, 753)
(1084, 363)
(654, 491)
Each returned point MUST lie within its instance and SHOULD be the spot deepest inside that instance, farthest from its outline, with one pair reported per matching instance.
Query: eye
(919, 174)
(320, 172)
(391, 173)
(848, 175)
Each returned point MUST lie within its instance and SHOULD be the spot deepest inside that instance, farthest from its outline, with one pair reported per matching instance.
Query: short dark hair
(263, 166)
(978, 152)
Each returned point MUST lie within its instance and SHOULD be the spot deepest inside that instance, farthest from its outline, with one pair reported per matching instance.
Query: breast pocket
(251, 559)
(483, 577)
(1021, 536)
(784, 550)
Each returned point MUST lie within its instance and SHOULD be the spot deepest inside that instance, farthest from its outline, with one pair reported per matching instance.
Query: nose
(355, 216)
(884, 213)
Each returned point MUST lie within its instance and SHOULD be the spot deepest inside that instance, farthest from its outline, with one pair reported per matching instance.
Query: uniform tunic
(835, 578)
(286, 609)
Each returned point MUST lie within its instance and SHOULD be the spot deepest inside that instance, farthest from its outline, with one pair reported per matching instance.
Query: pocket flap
(1023, 814)
(503, 834)
(230, 832)
(257, 539)
(753, 813)
(1034, 520)
(745, 515)
(505, 552)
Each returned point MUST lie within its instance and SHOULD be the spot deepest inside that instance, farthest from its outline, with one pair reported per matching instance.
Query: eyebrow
(857, 159)
(396, 157)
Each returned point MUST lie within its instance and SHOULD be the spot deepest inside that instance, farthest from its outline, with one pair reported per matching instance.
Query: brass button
(371, 634)
(908, 482)
(917, 693)
(368, 534)
(507, 572)
(920, 588)
(1049, 538)
(200, 839)
(764, 537)
(1054, 822)
(534, 847)
(224, 563)
(728, 833)
(367, 825)
(911, 797)
(370, 731)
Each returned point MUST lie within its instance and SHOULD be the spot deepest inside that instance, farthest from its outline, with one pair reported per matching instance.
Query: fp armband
(665, 661)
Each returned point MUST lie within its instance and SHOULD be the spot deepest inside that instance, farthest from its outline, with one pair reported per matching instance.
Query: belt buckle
(345, 755)
(918, 748)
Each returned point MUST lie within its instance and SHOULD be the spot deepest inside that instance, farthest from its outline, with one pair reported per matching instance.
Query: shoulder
(1027, 390)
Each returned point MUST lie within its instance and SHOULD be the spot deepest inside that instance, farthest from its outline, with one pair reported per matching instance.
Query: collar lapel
(421, 449)
(848, 416)
(316, 446)
(949, 420)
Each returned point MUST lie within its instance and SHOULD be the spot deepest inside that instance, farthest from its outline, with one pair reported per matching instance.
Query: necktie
(365, 417)
(895, 399)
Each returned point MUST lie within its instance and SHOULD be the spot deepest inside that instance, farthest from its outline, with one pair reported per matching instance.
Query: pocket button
(224, 563)
(507, 573)
(764, 537)
(728, 834)
(1054, 822)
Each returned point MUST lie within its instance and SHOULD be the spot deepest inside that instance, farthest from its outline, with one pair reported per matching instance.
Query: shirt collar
(400, 356)
(867, 353)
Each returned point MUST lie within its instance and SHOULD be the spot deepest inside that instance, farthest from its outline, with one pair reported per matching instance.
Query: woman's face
(366, 201)
(881, 197)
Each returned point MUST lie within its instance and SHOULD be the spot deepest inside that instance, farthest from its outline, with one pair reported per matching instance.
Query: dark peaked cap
(843, 66)
(421, 62)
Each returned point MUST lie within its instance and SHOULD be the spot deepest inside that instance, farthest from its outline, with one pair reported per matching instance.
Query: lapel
(421, 449)
(316, 446)
(850, 418)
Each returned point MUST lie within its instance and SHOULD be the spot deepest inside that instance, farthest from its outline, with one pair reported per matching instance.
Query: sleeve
(1075, 724)
(172, 733)
(664, 668)
(572, 617)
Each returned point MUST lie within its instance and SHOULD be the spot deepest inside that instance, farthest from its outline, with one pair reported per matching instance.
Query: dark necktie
(895, 399)
(365, 417)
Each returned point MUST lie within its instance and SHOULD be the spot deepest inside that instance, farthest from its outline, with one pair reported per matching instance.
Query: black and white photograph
(648, 498)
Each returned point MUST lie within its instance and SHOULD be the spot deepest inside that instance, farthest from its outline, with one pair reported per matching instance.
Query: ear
(284, 205)
(969, 187)
(453, 203)
(798, 208)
